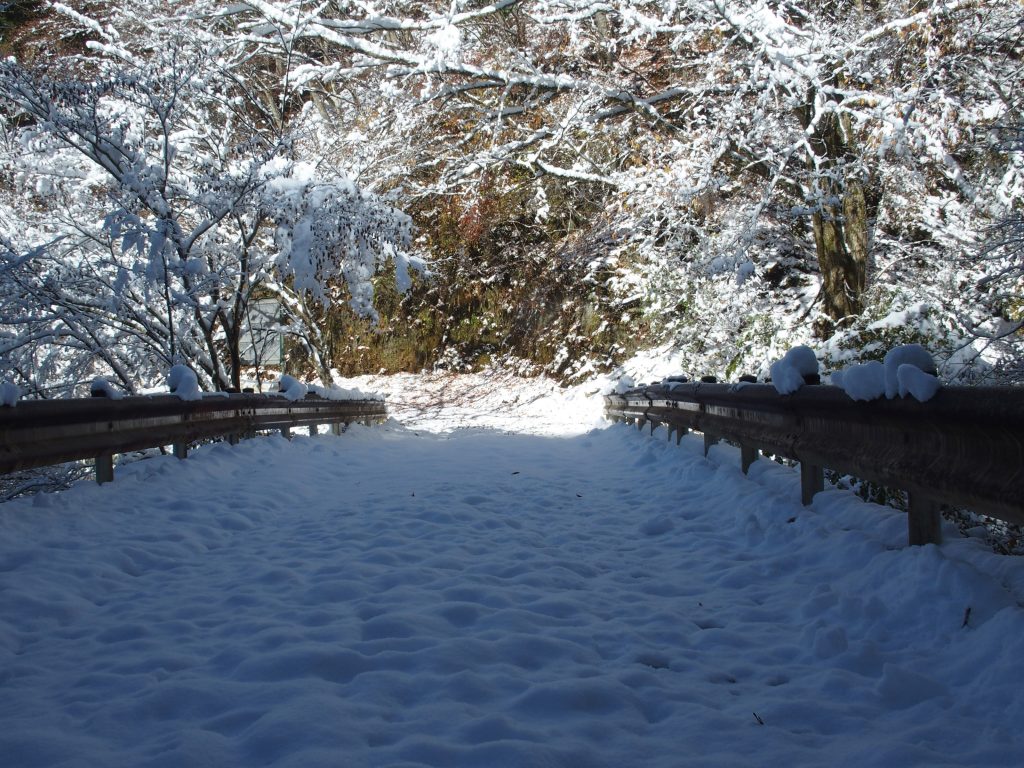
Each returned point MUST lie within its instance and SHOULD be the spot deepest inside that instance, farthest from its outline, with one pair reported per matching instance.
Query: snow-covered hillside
(563, 181)
(588, 596)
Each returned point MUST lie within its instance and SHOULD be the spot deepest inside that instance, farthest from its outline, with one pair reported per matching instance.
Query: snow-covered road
(479, 598)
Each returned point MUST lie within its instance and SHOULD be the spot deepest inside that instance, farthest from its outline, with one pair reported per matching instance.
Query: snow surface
(802, 358)
(908, 370)
(341, 393)
(594, 598)
(443, 402)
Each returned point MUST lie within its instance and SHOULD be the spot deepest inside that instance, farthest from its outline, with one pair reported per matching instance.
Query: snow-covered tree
(734, 173)
(828, 111)
(165, 204)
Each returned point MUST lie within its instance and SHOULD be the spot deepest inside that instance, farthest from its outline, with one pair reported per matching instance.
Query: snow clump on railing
(9, 393)
(183, 382)
(291, 388)
(908, 370)
(100, 387)
(792, 371)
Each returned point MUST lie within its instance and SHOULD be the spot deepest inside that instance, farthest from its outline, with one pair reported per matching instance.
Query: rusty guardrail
(38, 433)
(963, 447)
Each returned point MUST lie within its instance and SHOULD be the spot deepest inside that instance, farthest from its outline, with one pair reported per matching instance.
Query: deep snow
(399, 597)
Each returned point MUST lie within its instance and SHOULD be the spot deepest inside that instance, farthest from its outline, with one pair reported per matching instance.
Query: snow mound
(341, 393)
(789, 372)
(864, 381)
(785, 378)
(183, 382)
(907, 354)
(916, 383)
(803, 359)
(9, 394)
(291, 388)
(100, 387)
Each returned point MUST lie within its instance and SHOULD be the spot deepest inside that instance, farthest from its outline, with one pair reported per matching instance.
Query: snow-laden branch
(936, 10)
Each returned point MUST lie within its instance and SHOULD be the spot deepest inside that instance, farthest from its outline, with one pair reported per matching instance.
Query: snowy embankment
(387, 598)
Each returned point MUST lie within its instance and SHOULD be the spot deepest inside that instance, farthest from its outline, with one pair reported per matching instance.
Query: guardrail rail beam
(964, 447)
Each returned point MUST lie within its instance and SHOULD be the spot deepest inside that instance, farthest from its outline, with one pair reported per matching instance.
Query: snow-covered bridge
(548, 591)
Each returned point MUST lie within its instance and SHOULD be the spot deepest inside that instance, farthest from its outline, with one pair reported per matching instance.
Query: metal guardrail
(38, 433)
(963, 447)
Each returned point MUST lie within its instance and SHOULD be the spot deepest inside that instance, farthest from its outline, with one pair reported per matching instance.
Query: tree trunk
(842, 224)
(841, 238)
(233, 334)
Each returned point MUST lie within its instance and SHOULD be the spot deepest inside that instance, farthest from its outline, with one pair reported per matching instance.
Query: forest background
(548, 186)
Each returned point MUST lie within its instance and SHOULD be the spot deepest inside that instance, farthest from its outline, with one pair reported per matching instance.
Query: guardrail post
(709, 440)
(748, 455)
(337, 428)
(681, 432)
(313, 430)
(924, 524)
(104, 468)
(286, 433)
(180, 450)
(812, 481)
(233, 438)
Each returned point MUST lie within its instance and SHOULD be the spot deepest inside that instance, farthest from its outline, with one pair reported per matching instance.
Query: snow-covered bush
(152, 208)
